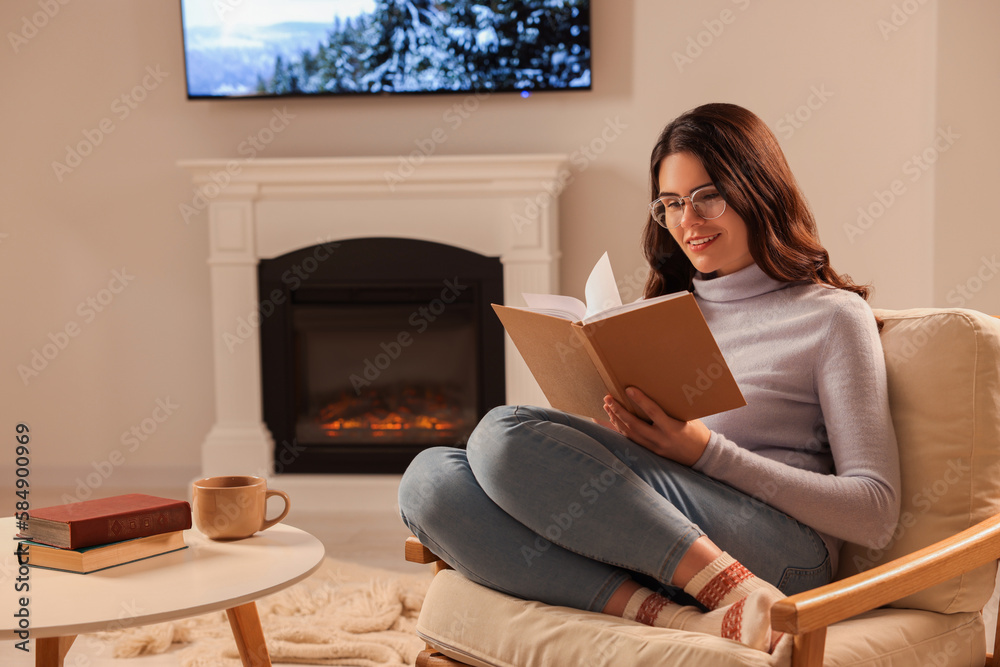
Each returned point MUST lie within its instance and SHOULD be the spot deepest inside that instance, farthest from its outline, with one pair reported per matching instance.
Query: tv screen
(246, 48)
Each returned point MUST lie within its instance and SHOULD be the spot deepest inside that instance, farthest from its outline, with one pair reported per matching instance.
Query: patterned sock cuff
(645, 606)
(717, 581)
(634, 604)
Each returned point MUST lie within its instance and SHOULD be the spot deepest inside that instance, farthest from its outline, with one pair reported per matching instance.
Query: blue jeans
(548, 506)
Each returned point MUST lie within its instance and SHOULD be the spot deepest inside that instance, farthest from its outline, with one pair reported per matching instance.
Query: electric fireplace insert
(375, 349)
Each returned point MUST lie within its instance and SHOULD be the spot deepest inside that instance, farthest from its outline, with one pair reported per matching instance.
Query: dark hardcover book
(106, 520)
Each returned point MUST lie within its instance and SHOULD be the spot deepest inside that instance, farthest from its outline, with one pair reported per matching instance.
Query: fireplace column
(239, 440)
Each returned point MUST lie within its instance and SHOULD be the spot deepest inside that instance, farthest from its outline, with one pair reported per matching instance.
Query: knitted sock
(724, 582)
(746, 621)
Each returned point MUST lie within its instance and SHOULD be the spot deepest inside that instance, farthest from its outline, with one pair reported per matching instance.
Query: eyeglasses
(706, 202)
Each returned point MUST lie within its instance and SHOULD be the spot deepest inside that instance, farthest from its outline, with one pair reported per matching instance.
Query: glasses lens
(708, 203)
(667, 211)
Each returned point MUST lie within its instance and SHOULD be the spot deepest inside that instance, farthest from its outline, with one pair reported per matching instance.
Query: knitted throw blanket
(344, 614)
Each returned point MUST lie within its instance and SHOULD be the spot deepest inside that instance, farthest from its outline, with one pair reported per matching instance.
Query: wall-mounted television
(251, 48)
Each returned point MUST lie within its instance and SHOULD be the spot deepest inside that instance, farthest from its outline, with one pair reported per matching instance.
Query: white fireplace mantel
(498, 206)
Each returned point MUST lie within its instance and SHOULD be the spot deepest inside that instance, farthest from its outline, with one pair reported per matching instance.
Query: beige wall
(967, 233)
(878, 97)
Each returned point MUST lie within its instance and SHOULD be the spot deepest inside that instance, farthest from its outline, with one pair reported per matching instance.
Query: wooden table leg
(245, 622)
(51, 651)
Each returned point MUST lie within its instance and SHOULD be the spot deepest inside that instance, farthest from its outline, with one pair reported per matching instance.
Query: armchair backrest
(944, 393)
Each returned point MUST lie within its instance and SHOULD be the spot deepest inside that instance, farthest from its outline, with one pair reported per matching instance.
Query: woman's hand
(676, 440)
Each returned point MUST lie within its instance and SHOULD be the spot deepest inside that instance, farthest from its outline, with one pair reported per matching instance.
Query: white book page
(602, 290)
(566, 307)
(642, 303)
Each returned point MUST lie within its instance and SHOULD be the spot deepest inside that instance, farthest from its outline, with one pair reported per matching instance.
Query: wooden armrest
(932, 565)
(418, 553)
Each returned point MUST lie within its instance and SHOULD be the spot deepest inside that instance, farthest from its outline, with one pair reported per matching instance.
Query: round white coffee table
(207, 576)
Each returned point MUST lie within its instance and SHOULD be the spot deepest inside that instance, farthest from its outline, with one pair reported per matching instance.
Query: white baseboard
(340, 493)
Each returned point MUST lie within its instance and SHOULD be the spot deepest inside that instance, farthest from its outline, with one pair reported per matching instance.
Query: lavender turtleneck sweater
(815, 439)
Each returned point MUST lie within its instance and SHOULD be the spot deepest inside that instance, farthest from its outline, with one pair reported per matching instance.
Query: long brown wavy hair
(746, 164)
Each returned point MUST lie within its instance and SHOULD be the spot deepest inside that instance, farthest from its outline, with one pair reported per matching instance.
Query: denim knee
(494, 449)
(424, 488)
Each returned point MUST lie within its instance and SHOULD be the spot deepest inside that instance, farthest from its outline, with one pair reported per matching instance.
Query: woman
(625, 517)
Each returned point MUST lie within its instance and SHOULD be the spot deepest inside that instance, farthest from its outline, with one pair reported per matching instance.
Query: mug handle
(270, 522)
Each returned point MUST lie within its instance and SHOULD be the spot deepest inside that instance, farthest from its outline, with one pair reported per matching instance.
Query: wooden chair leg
(993, 660)
(807, 650)
(431, 658)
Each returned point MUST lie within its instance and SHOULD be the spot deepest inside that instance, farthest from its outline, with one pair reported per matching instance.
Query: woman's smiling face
(717, 246)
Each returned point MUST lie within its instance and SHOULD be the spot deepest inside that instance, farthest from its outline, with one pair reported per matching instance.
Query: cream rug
(344, 614)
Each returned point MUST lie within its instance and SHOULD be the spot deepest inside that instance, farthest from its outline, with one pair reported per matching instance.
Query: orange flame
(367, 416)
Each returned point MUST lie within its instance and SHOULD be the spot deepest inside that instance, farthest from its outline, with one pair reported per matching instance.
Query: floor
(372, 538)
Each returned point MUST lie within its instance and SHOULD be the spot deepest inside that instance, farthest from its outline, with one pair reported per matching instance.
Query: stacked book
(97, 534)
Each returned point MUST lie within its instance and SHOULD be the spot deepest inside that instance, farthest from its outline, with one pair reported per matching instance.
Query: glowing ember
(409, 413)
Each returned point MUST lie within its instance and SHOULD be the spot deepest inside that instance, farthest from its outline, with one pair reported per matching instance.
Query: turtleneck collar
(743, 284)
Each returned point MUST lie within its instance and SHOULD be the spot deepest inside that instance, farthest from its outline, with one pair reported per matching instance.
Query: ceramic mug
(232, 507)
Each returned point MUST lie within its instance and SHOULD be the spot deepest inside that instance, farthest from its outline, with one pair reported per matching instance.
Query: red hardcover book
(105, 520)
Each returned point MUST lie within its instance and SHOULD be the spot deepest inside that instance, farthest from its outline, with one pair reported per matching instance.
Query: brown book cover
(104, 520)
(662, 346)
(102, 556)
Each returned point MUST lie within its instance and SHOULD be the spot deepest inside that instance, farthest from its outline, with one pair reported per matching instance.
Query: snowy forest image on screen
(236, 48)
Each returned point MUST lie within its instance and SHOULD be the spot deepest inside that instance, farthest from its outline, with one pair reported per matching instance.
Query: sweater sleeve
(859, 502)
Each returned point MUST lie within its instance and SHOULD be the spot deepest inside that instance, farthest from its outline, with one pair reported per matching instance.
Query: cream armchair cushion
(478, 626)
(944, 390)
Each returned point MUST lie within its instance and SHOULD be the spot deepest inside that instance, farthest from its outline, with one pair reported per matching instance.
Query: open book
(580, 352)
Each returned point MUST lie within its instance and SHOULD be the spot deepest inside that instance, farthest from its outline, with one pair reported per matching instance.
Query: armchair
(914, 600)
